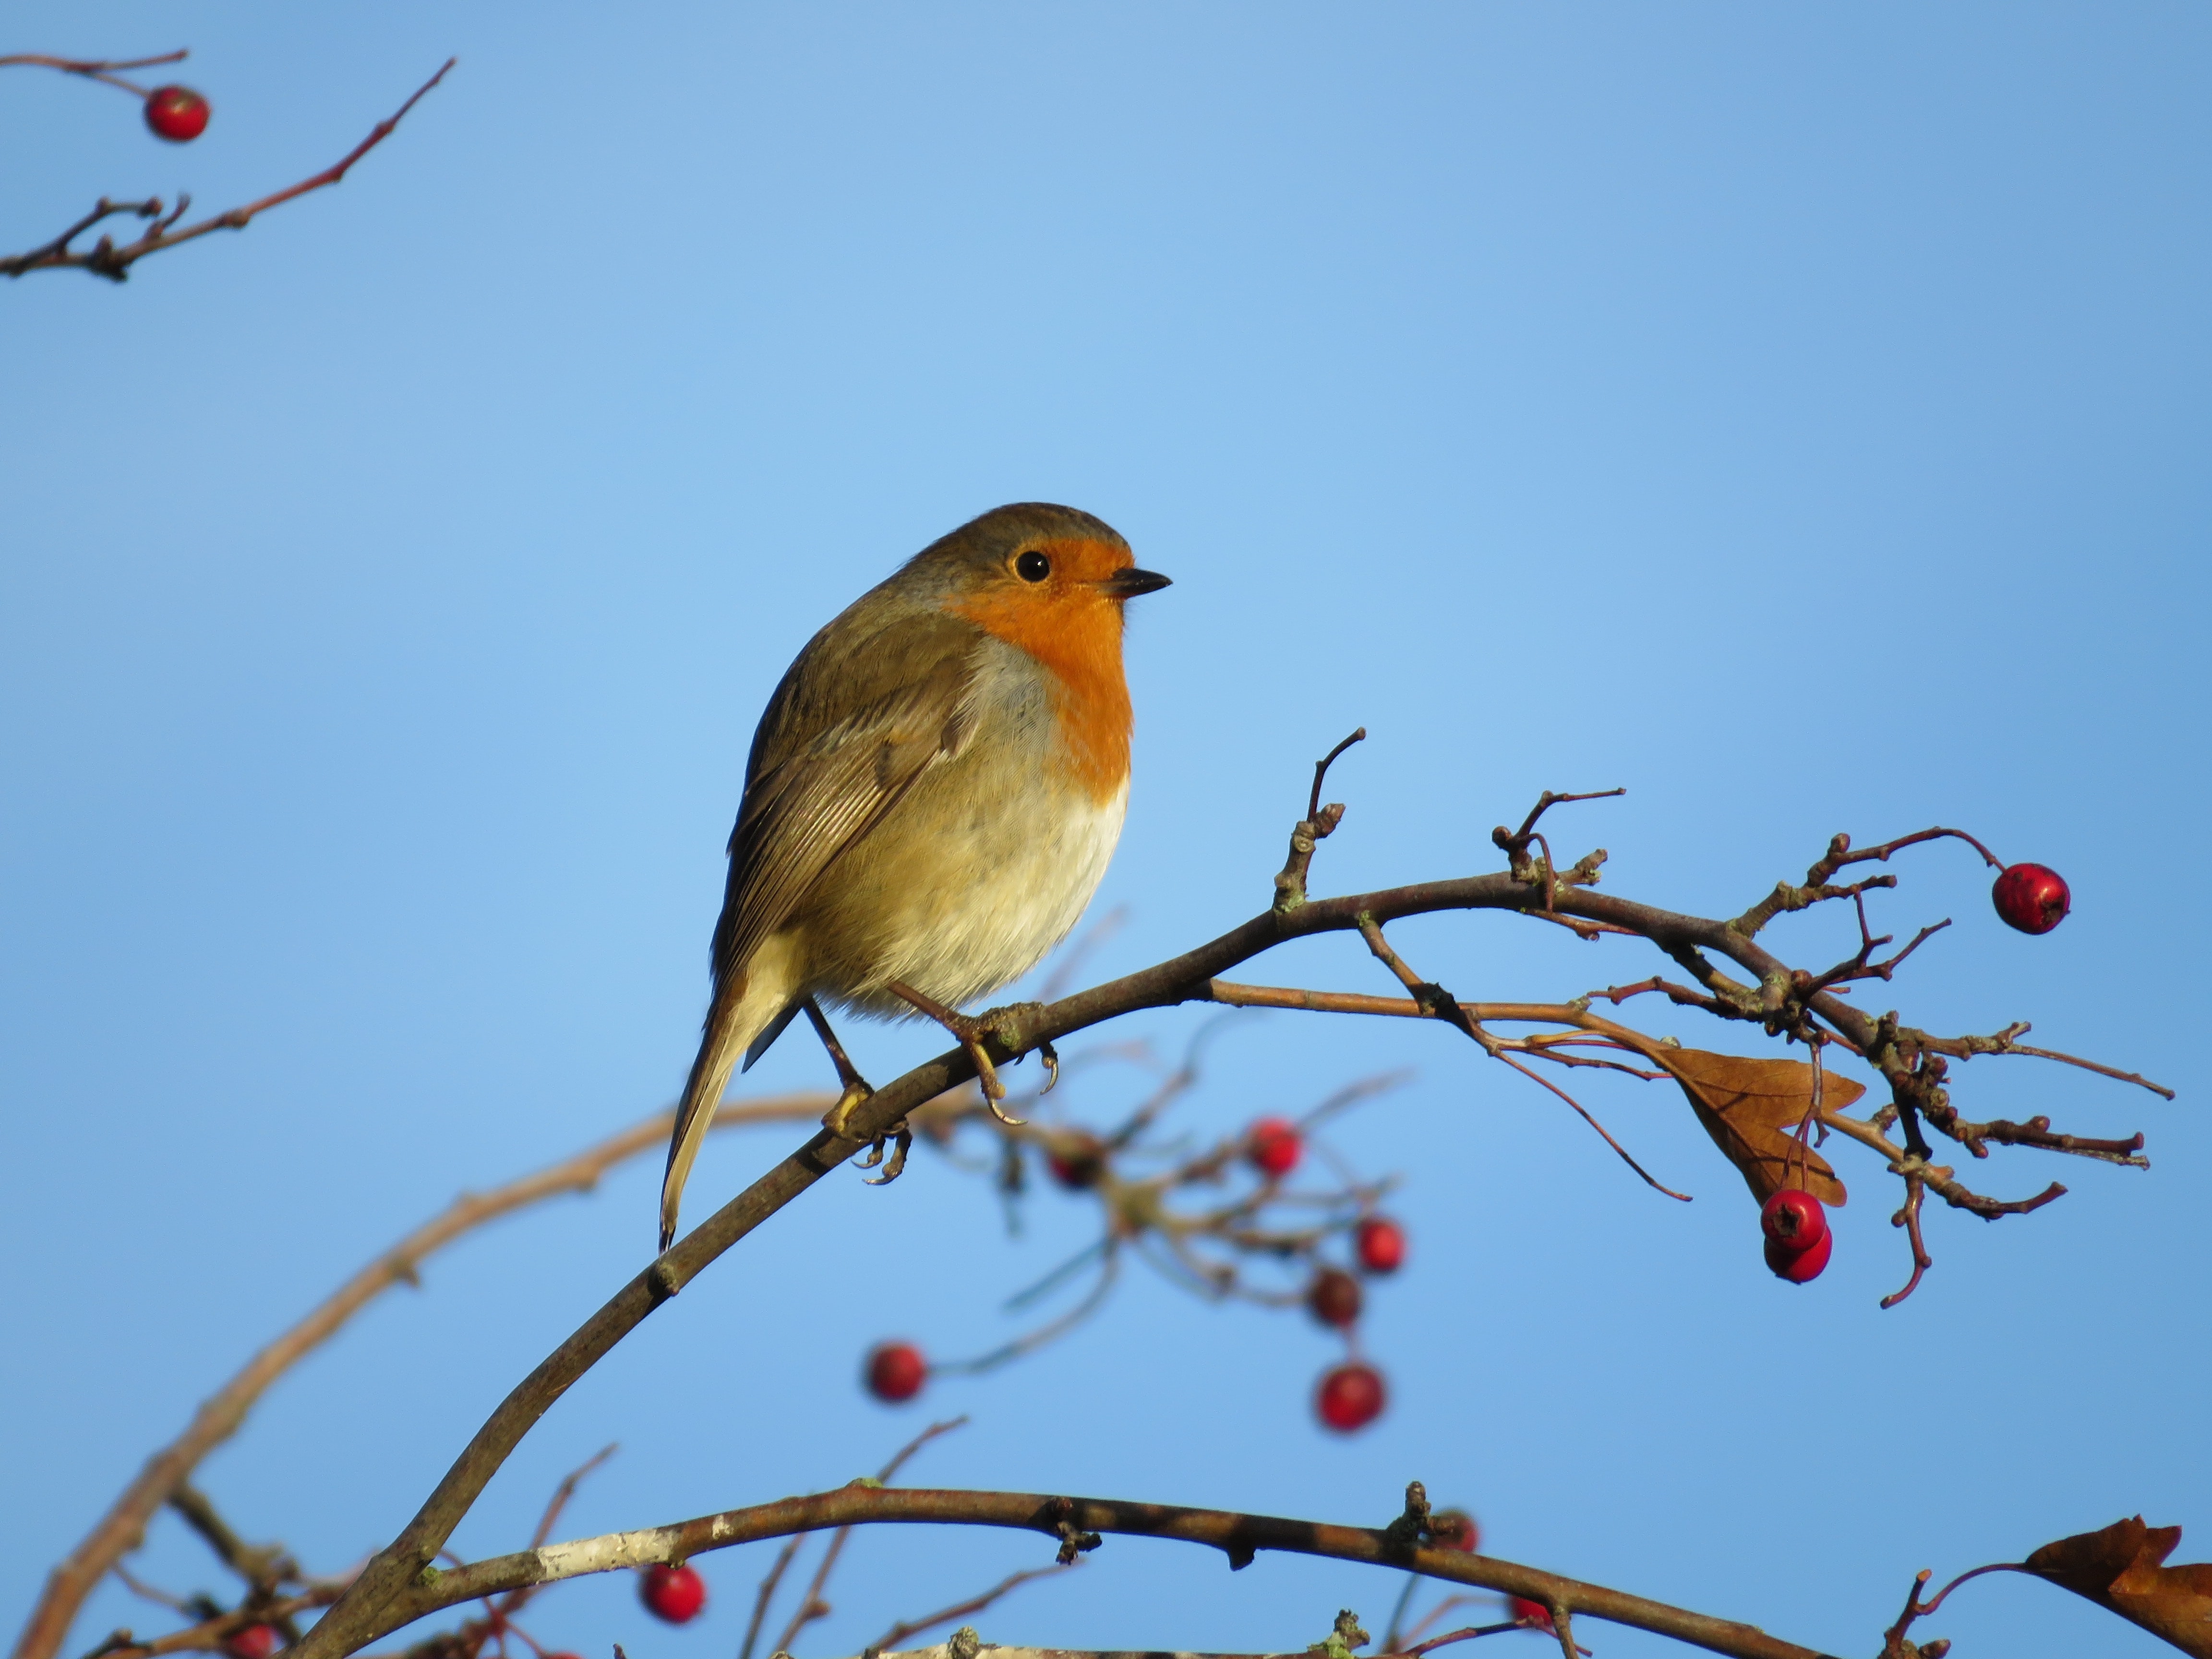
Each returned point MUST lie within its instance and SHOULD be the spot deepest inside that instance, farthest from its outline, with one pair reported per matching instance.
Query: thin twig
(766, 1593)
(1468, 1634)
(899, 1633)
(1620, 1151)
(2112, 1072)
(1110, 1271)
(811, 1605)
(95, 69)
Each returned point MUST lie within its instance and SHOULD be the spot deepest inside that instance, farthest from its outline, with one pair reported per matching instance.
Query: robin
(932, 796)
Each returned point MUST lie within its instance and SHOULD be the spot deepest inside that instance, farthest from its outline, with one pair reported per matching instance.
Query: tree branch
(1237, 1535)
(1904, 1056)
(123, 1527)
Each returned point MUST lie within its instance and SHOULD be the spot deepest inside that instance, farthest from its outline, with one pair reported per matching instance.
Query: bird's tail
(744, 1007)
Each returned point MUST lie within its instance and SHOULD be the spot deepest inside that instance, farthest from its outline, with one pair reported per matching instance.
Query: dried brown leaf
(2121, 1569)
(1751, 1109)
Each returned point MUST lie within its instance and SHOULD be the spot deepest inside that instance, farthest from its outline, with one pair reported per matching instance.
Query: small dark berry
(1334, 1298)
(1076, 1162)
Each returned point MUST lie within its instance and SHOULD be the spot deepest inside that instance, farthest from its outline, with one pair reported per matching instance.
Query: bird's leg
(972, 1034)
(838, 1119)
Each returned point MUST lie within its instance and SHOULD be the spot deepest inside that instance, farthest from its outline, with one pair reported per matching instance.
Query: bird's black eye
(1033, 567)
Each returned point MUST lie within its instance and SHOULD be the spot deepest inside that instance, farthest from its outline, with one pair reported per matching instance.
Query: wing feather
(802, 812)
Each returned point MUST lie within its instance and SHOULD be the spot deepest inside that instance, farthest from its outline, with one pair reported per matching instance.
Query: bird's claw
(972, 1034)
(903, 1138)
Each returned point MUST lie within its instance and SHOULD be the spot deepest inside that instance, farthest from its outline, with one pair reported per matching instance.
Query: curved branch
(123, 1527)
(1237, 1535)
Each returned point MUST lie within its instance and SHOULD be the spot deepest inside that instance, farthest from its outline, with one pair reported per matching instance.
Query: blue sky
(1795, 416)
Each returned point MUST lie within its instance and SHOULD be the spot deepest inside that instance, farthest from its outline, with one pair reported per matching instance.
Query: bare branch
(124, 1526)
(106, 259)
(1239, 1536)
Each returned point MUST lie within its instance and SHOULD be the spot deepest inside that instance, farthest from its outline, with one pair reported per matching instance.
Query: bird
(932, 796)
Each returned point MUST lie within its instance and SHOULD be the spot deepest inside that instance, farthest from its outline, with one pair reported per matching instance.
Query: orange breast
(1075, 631)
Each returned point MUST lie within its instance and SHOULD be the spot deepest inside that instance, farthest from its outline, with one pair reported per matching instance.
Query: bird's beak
(1128, 584)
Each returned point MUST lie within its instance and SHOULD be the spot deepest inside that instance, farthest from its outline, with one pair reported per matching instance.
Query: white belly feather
(978, 940)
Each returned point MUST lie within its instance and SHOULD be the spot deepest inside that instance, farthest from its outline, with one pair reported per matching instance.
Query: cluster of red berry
(1798, 1242)
(1351, 1395)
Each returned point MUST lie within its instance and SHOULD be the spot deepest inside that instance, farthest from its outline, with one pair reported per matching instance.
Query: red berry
(1349, 1397)
(1800, 1266)
(673, 1594)
(1793, 1220)
(2032, 898)
(1455, 1529)
(255, 1642)
(1533, 1613)
(1272, 1144)
(1381, 1244)
(1334, 1298)
(176, 113)
(895, 1371)
(1077, 1162)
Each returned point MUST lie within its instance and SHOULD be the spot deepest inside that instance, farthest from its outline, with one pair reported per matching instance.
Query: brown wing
(802, 810)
